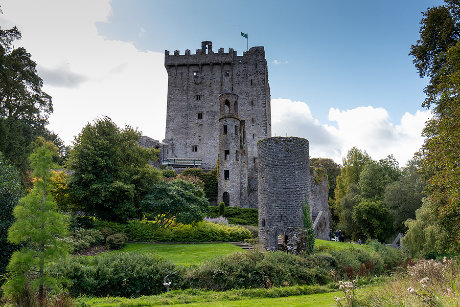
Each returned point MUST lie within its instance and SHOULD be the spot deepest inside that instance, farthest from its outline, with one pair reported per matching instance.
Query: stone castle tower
(195, 83)
(233, 156)
(284, 182)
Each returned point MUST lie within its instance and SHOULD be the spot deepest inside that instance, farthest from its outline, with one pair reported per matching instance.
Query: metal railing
(181, 162)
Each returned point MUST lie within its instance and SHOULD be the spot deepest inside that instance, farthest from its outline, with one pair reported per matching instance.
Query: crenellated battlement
(206, 55)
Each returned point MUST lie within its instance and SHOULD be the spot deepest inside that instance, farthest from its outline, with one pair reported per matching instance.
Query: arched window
(227, 106)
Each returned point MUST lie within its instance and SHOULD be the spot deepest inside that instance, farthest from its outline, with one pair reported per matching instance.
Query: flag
(245, 35)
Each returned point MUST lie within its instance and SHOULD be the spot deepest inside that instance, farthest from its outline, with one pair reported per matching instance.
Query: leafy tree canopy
(175, 201)
(375, 176)
(437, 56)
(21, 95)
(425, 236)
(404, 196)
(209, 179)
(24, 106)
(110, 171)
(346, 189)
(353, 164)
(372, 220)
(360, 189)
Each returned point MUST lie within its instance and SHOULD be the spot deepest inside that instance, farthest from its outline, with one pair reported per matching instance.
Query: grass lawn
(300, 296)
(183, 254)
(312, 300)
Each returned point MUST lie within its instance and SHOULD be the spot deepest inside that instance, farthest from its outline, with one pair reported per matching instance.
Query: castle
(218, 110)
(193, 120)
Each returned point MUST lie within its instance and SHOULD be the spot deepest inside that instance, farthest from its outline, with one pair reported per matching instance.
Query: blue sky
(339, 71)
(330, 53)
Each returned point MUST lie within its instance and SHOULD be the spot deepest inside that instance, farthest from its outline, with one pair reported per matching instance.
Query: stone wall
(195, 82)
(284, 184)
(233, 177)
(319, 206)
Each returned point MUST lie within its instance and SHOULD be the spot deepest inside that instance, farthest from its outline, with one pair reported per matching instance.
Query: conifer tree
(39, 228)
(309, 231)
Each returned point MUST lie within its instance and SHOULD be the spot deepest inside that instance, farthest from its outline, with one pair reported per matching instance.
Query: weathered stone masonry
(233, 157)
(284, 185)
(195, 82)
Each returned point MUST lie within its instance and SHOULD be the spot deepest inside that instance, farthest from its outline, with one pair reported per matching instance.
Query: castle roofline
(206, 55)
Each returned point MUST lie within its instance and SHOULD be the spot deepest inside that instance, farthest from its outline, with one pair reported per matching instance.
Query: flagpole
(247, 41)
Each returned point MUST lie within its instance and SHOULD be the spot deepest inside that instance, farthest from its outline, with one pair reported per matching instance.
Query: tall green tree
(372, 220)
(110, 171)
(360, 190)
(39, 228)
(437, 56)
(376, 176)
(24, 106)
(404, 196)
(10, 192)
(353, 164)
(21, 94)
(425, 236)
(346, 191)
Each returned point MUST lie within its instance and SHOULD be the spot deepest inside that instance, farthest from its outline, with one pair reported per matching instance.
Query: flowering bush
(217, 220)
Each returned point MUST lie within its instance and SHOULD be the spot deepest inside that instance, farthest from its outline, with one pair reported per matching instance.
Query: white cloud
(367, 128)
(279, 62)
(294, 118)
(87, 75)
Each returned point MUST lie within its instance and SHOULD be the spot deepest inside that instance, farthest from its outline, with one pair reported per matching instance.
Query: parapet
(205, 55)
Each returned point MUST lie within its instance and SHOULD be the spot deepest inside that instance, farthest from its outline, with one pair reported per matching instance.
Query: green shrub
(253, 229)
(116, 274)
(144, 231)
(222, 208)
(77, 222)
(352, 262)
(236, 216)
(175, 201)
(116, 241)
(391, 256)
(168, 173)
(255, 269)
(107, 231)
(83, 239)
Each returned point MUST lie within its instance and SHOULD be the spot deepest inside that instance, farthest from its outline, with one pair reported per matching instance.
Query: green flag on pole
(245, 35)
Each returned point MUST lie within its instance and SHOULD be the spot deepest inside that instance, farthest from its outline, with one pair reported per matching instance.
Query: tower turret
(233, 182)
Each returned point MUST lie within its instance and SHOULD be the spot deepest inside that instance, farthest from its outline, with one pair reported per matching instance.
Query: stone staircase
(243, 245)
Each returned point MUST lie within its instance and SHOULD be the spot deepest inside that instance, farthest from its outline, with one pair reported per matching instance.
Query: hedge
(237, 216)
(144, 231)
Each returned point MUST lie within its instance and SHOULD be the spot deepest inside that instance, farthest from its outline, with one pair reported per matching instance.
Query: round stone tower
(284, 186)
(233, 180)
